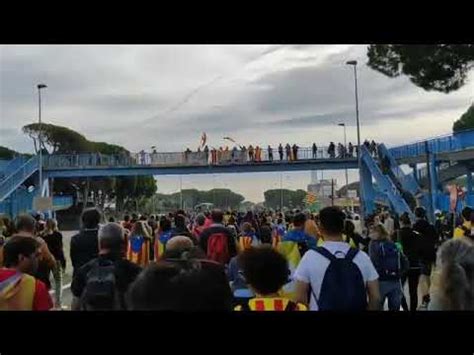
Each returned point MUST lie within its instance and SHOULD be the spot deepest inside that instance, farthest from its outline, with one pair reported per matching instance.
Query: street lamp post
(40, 138)
(354, 64)
(345, 149)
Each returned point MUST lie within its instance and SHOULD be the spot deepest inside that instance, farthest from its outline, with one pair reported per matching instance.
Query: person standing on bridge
(251, 152)
(270, 153)
(280, 151)
(288, 152)
(315, 151)
(351, 150)
(295, 152)
(206, 153)
(213, 156)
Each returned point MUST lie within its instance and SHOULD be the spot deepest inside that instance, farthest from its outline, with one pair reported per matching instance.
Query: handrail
(10, 183)
(57, 161)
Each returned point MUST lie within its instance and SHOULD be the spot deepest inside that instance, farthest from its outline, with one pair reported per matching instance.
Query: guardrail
(10, 183)
(182, 158)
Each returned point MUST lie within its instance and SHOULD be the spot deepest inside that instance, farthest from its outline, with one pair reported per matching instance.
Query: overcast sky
(139, 96)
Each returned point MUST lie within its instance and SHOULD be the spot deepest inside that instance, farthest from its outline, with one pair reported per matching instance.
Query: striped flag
(310, 198)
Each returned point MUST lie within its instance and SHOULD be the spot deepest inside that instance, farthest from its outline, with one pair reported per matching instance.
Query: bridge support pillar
(367, 191)
(415, 171)
(469, 182)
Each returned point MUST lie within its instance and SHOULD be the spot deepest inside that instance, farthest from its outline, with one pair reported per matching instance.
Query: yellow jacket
(459, 232)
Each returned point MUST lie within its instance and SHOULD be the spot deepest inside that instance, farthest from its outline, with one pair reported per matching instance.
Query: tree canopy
(438, 67)
(466, 121)
(291, 199)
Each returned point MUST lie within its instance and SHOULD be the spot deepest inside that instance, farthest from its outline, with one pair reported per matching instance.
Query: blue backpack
(388, 266)
(343, 287)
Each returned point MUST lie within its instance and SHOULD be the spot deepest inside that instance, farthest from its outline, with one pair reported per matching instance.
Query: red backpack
(218, 248)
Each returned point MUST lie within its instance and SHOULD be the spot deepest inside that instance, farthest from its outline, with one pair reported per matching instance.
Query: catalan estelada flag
(271, 304)
(290, 250)
(310, 198)
(160, 244)
(138, 250)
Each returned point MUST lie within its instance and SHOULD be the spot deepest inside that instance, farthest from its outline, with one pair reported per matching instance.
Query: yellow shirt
(459, 232)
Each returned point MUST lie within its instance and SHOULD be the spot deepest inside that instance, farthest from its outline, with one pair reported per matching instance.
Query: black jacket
(55, 246)
(428, 240)
(84, 247)
(410, 242)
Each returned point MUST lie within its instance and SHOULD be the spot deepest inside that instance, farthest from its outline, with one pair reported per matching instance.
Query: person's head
(265, 270)
(200, 219)
(466, 213)
(152, 217)
(178, 286)
(299, 220)
(111, 239)
(180, 221)
(231, 220)
(378, 232)
(217, 216)
(279, 220)
(348, 227)
(25, 224)
(90, 218)
(126, 218)
(111, 219)
(331, 222)
(247, 228)
(420, 212)
(456, 262)
(165, 224)
(143, 217)
(140, 228)
(177, 245)
(51, 225)
(405, 220)
(22, 254)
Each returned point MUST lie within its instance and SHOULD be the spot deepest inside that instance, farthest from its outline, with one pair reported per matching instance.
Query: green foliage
(466, 121)
(439, 67)
(291, 199)
(6, 153)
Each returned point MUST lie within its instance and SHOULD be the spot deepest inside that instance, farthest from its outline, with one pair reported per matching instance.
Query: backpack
(218, 248)
(100, 292)
(343, 287)
(389, 267)
(290, 306)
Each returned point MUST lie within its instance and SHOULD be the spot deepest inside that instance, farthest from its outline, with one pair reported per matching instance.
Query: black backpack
(100, 292)
(343, 287)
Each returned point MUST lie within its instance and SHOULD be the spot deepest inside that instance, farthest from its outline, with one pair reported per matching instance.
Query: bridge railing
(10, 183)
(442, 144)
(181, 158)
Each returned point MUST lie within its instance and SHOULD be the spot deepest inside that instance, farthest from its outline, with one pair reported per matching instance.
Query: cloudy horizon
(166, 96)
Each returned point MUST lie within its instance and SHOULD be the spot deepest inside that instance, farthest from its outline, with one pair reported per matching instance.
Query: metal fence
(224, 157)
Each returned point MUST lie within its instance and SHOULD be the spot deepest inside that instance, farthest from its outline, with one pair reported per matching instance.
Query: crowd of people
(215, 260)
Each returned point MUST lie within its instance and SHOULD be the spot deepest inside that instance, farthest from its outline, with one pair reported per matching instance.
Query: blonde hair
(51, 225)
(382, 233)
(456, 260)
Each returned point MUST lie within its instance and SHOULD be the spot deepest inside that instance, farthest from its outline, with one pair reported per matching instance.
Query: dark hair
(126, 218)
(200, 219)
(466, 213)
(25, 222)
(265, 269)
(420, 212)
(91, 217)
(348, 227)
(405, 219)
(279, 221)
(180, 221)
(332, 220)
(165, 224)
(178, 286)
(217, 216)
(299, 220)
(16, 246)
(143, 218)
(111, 219)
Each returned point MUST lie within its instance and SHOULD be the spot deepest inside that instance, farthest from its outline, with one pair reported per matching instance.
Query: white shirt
(313, 266)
